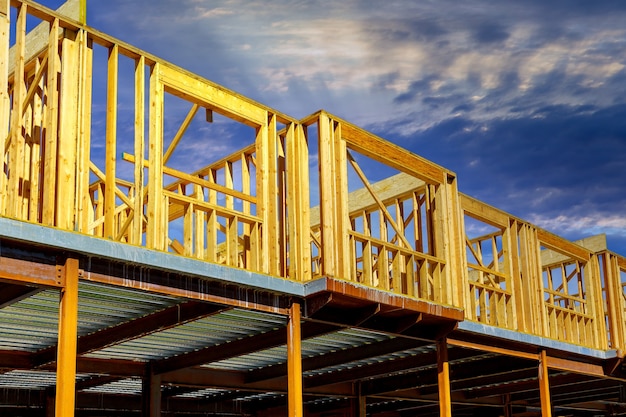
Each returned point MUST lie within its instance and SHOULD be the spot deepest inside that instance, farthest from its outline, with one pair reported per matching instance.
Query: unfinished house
(169, 247)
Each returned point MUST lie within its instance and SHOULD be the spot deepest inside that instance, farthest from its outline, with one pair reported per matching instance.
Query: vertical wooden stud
(273, 228)
(443, 379)
(51, 128)
(68, 133)
(298, 203)
(140, 128)
(328, 196)
(342, 219)
(155, 231)
(294, 362)
(16, 144)
(5, 99)
(111, 136)
(544, 386)
(84, 208)
(68, 328)
(265, 137)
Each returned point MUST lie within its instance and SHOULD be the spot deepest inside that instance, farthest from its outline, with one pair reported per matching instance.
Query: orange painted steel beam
(544, 385)
(68, 328)
(294, 362)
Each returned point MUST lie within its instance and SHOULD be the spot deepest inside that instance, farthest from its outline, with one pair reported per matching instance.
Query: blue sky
(525, 101)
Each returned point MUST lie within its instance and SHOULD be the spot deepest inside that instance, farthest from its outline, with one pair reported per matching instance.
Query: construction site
(317, 270)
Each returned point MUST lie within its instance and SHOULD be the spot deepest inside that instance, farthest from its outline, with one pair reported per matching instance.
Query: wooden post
(68, 133)
(111, 134)
(151, 394)
(443, 379)
(294, 362)
(333, 198)
(298, 202)
(544, 385)
(5, 100)
(51, 128)
(82, 18)
(68, 328)
(155, 230)
(140, 91)
(84, 209)
(15, 163)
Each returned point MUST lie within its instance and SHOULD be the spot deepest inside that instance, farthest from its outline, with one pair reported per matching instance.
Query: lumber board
(212, 96)
(389, 188)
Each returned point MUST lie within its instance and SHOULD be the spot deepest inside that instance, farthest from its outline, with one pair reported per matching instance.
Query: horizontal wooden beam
(393, 187)
(212, 96)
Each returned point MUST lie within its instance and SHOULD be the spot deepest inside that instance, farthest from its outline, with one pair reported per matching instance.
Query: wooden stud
(294, 362)
(84, 208)
(156, 227)
(68, 331)
(328, 195)
(139, 149)
(298, 203)
(16, 144)
(5, 99)
(181, 131)
(51, 128)
(111, 145)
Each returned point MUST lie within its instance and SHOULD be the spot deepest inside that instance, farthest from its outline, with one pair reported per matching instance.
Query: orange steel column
(294, 362)
(544, 386)
(443, 379)
(66, 351)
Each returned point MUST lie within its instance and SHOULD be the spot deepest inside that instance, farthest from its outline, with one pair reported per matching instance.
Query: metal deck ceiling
(396, 373)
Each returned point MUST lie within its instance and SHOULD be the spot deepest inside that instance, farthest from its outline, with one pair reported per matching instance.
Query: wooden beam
(179, 135)
(390, 154)
(387, 189)
(212, 96)
(68, 329)
(294, 362)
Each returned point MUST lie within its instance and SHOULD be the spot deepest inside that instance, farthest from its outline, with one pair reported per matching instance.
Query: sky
(524, 100)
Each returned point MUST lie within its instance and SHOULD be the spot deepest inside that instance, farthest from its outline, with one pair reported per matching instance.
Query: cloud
(525, 101)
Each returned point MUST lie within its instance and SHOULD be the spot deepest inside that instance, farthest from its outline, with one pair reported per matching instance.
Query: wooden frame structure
(307, 284)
